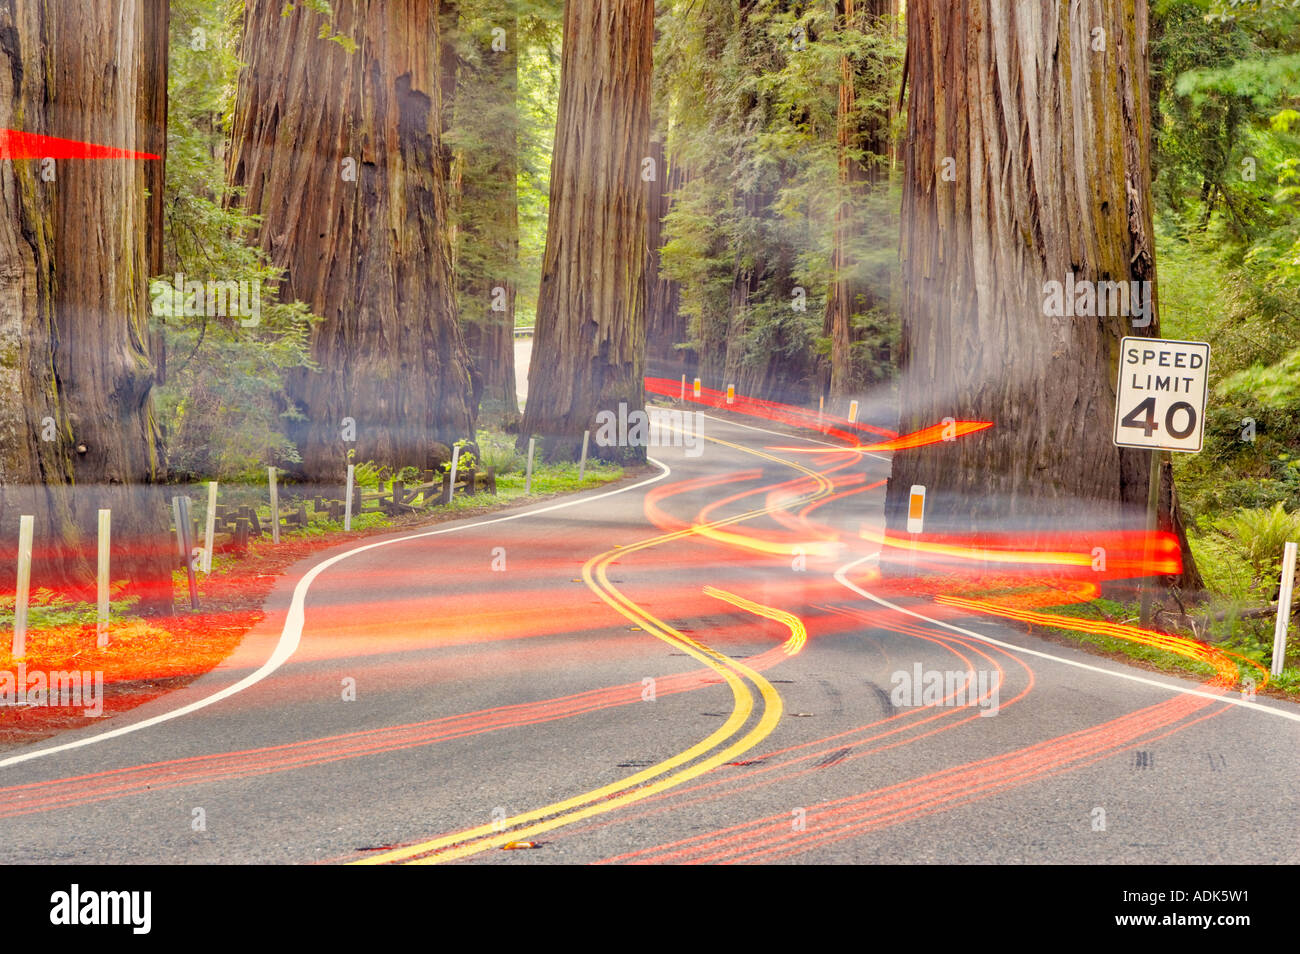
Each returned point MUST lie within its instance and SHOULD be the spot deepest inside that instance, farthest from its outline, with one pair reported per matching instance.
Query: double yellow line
(685, 765)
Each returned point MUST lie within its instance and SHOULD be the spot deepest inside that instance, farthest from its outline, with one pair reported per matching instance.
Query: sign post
(1160, 406)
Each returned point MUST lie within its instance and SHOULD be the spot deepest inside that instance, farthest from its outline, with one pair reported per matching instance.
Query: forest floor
(147, 657)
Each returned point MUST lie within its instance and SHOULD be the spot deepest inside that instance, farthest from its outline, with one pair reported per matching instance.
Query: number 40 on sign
(1162, 391)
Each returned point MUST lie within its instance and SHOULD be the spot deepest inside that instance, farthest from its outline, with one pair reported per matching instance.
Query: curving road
(700, 665)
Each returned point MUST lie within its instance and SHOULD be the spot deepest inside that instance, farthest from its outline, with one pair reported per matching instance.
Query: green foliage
(48, 610)
(498, 450)
(466, 458)
(1228, 238)
(1259, 536)
(749, 100)
(488, 100)
(371, 475)
(222, 403)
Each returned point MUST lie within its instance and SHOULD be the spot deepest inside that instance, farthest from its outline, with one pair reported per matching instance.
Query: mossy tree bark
(341, 154)
(77, 425)
(1027, 158)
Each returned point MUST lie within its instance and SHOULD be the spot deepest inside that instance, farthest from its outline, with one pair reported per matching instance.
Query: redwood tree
(75, 413)
(665, 321)
(862, 140)
(589, 349)
(1027, 158)
(485, 143)
(340, 152)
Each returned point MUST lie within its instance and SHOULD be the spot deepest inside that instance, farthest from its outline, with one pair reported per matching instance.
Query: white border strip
(291, 634)
(1231, 700)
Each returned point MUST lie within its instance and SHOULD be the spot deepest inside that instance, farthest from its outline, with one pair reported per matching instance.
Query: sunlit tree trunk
(341, 155)
(77, 430)
(589, 350)
(1027, 159)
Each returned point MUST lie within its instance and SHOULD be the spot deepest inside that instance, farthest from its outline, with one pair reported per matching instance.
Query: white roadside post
(181, 515)
(347, 500)
(1160, 402)
(821, 408)
(683, 387)
(105, 535)
(26, 524)
(853, 412)
(915, 520)
(275, 505)
(731, 394)
(1284, 597)
(455, 462)
(210, 527)
(695, 389)
(528, 473)
(582, 464)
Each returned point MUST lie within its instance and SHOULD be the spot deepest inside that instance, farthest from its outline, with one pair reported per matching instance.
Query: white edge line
(291, 634)
(1231, 700)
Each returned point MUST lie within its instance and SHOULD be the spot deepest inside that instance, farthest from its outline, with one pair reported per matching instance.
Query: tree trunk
(1027, 159)
(340, 153)
(486, 130)
(764, 259)
(77, 421)
(868, 136)
(153, 120)
(665, 323)
(589, 349)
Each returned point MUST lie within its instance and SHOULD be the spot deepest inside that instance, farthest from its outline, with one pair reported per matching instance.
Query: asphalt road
(654, 673)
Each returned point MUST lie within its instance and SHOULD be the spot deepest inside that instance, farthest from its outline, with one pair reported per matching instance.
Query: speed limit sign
(1163, 386)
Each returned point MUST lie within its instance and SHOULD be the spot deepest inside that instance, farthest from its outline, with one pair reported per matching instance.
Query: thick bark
(487, 122)
(1048, 139)
(77, 422)
(340, 154)
(589, 350)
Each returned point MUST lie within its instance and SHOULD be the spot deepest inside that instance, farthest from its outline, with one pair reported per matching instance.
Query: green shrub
(1259, 536)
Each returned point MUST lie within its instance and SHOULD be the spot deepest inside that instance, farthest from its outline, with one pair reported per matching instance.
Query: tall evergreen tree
(339, 151)
(78, 426)
(1027, 159)
(589, 350)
